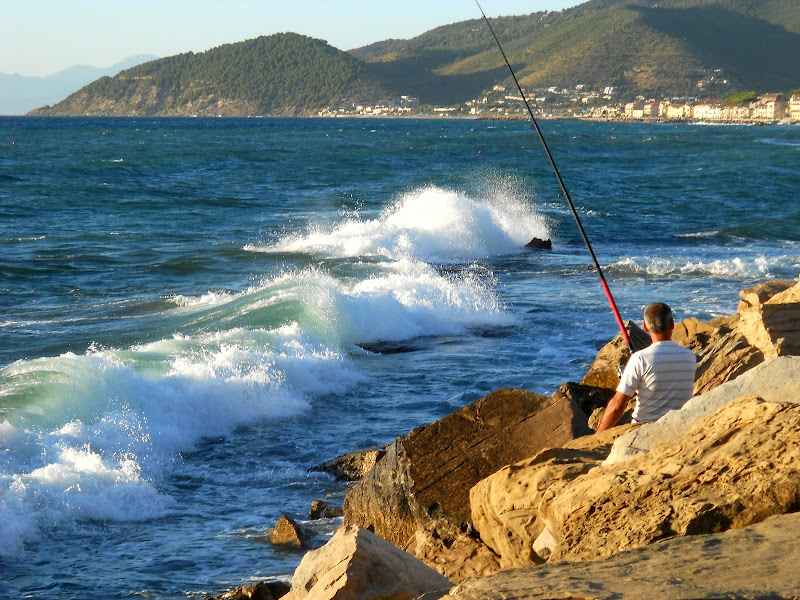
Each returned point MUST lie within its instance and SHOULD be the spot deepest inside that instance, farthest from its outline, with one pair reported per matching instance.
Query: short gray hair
(657, 317)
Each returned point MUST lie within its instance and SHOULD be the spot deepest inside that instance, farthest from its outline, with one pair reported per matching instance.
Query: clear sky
(42, 37)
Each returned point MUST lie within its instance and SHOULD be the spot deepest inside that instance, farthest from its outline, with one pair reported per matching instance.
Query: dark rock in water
(353, 465)
(428, 473)
(264, 590)
(323, 510)
(288, 533)
(388, 348)
(537, 244)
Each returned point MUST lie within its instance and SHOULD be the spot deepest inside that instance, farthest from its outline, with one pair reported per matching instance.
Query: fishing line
(563, 188)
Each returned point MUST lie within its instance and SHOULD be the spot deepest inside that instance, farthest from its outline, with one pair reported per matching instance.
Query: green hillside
(650, 47)
(282, 74)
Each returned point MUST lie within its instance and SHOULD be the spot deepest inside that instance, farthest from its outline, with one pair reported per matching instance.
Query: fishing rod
(564, 191)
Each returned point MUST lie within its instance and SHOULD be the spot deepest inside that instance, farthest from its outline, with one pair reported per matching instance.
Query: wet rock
(353, 465)
(264, 590)
(356, 563)
(537, 244)
(587, 397)
(289, 534)
(427, 474)
(320, 509)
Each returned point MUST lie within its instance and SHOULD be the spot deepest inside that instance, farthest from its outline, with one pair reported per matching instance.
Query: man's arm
(616, 406)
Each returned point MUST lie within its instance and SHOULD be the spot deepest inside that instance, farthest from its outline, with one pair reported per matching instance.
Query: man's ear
(644, 325)
(671, 324)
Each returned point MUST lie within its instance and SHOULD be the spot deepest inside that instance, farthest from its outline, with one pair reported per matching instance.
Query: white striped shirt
(663, 376)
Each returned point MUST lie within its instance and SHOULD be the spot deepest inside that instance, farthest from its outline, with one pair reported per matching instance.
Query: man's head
(658, 319)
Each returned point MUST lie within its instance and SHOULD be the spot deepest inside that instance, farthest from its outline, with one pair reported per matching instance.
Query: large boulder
(604, 371)
(722, 355)
(769, 317)
(731, 469)
(506, 505)
(776, 380)
(759, 561)
(427, 474)
(357, 564)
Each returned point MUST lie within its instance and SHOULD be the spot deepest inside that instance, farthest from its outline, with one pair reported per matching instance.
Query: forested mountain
(648, 47)
(283, 74)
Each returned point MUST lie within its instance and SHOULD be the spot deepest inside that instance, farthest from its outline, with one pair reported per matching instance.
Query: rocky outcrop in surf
(517, 481)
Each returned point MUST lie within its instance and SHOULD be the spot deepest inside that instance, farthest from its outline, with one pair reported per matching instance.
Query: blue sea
(194, 312)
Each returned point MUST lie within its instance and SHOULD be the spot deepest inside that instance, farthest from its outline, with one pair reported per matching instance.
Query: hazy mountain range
(653, 48)
(20, 94)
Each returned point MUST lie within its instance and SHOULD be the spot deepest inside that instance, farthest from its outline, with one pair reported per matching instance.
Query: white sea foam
(92, 436)
(431, 224)
(733, 268)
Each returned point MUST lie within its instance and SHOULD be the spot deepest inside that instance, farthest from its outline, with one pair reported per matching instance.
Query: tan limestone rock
(427, 474)
(288, 533)
(613, 356)
(758, 294)
(456, 554)
(759, 561)
(732, 469)
(769, 317)
(725, 356)
(505, 505)
(357, 564)
(688, 328)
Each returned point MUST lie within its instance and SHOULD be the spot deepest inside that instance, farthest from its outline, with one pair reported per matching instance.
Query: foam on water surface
(429, 223)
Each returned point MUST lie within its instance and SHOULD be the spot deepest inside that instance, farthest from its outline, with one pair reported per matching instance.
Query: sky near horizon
(42, 37)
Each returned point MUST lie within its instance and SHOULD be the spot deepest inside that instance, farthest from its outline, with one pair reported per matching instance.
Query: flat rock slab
(760, 561)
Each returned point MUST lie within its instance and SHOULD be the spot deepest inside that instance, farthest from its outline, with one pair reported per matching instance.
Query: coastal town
(557, 102)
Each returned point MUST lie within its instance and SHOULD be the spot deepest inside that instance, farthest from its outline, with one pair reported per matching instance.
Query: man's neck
(660, 337)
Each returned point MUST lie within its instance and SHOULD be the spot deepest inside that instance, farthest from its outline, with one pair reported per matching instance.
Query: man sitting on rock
(661, 375)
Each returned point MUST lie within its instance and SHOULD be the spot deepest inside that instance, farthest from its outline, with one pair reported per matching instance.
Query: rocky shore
(514, 496)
